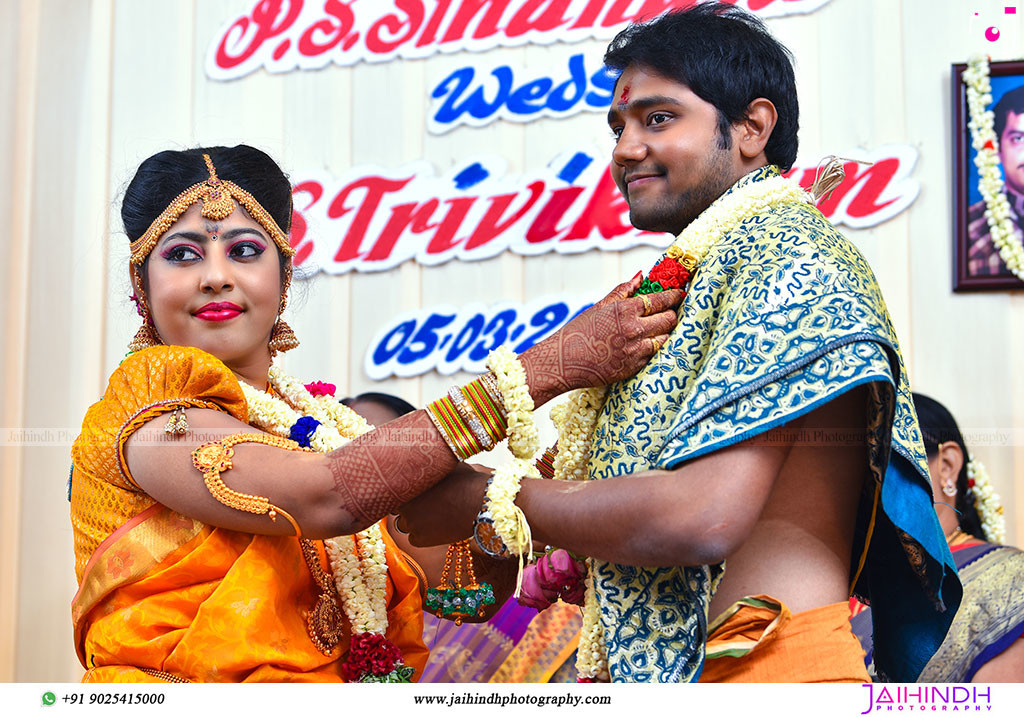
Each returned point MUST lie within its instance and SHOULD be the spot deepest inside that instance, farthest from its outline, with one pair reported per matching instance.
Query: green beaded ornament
(450, 599)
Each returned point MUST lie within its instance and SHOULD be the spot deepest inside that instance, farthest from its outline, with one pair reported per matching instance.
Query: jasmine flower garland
(981, 123)
(524, 441)
(358, 562)
(523, 437)
(576, 419)
(986, 502)
(592, 654)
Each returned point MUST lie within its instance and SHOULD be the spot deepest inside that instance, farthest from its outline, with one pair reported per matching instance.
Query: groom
(767, 462)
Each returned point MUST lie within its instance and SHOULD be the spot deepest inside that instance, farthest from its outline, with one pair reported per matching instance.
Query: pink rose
(559, 569)
(319, 388)
(557, 575)
(561, 573)
(575, 594)
(533, 594)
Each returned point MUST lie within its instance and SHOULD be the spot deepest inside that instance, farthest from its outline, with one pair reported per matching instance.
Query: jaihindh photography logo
(944, 698)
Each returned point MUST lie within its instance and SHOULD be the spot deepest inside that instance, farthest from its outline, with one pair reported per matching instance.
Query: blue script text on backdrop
(449, 339)
(476, 96)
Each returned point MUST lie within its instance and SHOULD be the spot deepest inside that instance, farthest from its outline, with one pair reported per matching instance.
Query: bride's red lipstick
(218, 311)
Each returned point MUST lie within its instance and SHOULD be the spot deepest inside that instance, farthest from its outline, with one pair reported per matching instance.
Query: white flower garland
(732, 209)
(358, 562)
(592, 653)
(981, 123)
(577, 418)
(523, 436)
(986, 502)
(524, 442)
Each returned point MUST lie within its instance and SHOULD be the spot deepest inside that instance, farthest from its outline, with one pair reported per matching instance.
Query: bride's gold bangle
(214, 457)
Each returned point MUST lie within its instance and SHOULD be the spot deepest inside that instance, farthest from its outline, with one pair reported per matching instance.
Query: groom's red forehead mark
(624, 97)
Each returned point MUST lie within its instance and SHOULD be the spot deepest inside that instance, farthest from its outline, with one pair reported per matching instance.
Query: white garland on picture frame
(981, 123)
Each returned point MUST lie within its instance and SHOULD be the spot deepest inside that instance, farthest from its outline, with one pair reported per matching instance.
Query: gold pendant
(324, 624)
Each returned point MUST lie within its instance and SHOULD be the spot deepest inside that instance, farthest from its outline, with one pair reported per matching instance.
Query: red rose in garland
(374, 658)
(670, 274)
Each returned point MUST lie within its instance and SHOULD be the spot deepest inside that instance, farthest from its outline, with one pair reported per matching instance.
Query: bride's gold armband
(215, 457)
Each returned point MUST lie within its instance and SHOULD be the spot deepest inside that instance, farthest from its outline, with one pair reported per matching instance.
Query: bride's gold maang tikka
(218, 197)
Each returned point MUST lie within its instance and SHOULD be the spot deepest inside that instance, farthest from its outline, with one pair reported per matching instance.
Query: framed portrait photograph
(977, 265)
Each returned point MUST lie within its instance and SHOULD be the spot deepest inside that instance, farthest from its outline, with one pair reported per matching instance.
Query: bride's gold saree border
(129, 554)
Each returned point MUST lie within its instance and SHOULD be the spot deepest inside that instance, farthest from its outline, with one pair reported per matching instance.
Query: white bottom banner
(762, 700)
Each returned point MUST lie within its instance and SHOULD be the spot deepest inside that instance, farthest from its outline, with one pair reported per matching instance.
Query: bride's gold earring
(147, 334)
(282, 338)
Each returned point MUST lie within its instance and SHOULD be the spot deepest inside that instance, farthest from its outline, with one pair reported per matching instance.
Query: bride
(228, 519)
